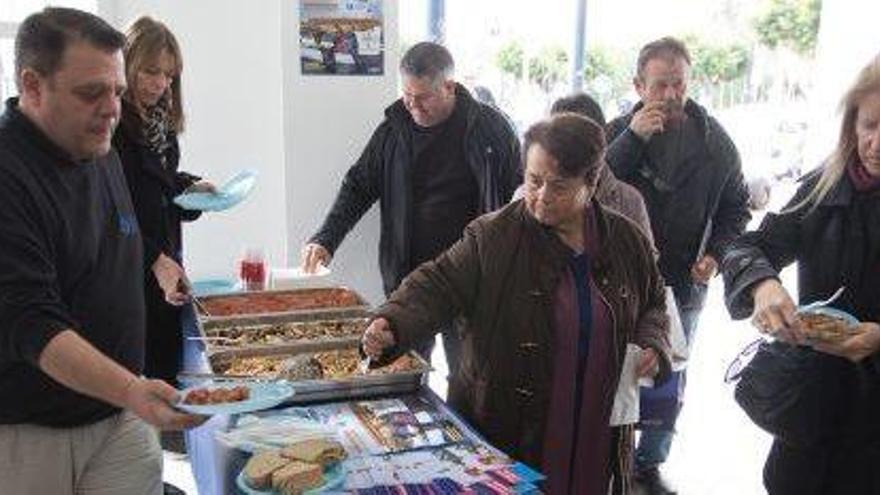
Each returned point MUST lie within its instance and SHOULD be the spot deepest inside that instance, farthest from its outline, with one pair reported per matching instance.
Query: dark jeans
(660, 406)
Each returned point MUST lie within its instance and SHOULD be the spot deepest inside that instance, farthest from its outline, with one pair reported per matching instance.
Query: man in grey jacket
(688, 171)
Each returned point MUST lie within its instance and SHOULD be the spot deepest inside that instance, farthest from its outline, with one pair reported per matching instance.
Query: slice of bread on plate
(297, 477)
(320, 451)
(259, 468)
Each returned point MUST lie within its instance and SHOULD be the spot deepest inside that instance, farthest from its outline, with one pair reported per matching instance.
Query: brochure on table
(407, 442)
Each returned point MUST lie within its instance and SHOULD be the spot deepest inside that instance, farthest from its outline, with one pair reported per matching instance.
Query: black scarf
(157, 129)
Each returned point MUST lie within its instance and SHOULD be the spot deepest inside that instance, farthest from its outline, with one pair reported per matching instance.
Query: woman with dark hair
(146, 139)
(551, 289)
(831, 228)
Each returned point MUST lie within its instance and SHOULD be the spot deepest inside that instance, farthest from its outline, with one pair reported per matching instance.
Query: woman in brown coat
(551, 289)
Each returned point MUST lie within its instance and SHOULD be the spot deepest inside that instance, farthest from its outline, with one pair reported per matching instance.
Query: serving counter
(405, 440)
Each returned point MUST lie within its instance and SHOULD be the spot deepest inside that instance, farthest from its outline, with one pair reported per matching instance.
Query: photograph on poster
(341, 37)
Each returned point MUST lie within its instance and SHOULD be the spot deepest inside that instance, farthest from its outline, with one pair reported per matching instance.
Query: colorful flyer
(341, 37)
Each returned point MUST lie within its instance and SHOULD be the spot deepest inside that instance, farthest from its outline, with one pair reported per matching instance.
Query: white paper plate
(295, 278)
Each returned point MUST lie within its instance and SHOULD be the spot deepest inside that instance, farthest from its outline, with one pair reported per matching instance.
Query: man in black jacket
(75, 416)
(437, 161)
(688, 171)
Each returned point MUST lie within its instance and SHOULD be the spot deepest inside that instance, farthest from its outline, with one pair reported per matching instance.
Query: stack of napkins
(294, 278)
(626, 402)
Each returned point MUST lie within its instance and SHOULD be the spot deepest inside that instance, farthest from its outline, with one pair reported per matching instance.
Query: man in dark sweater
(74, 414)
(688, 171)
(437, 161)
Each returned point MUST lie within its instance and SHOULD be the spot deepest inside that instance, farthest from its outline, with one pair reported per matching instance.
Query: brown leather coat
(501, 280)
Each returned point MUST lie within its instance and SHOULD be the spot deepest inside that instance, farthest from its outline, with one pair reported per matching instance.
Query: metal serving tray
(213, 342)
(257, 317)
(306, 391)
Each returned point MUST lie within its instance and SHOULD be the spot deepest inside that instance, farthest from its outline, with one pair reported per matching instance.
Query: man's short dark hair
(43, 37)
(581, 104)
(577, 144)
(428, 60)
(666, 47)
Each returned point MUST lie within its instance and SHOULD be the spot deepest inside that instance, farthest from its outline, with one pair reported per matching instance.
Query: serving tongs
(188, 376)
(218, 339)
(364, 366)
(365, 362)
(199, 304)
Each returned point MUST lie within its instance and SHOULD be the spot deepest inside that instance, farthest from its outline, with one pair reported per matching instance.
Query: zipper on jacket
(612, 390)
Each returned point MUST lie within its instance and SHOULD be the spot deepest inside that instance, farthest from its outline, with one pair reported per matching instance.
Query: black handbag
(792, 392)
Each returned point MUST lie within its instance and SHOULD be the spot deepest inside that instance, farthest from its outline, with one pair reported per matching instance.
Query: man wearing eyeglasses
(688, 171)
(437, 161)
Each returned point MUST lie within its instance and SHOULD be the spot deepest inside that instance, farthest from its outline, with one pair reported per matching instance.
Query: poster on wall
(341, 37)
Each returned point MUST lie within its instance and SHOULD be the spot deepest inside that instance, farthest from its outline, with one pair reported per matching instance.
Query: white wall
(232, 90)
(328, 121)
(247, 106)
(848, 38)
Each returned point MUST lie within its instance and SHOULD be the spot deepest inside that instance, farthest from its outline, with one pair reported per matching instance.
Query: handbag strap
(739, 363)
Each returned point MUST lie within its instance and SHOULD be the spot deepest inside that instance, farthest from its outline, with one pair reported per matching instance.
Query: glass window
(16, 10)
(7, 81)
(11, 14)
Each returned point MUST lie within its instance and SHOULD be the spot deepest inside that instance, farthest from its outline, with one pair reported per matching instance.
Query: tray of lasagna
(260, 307)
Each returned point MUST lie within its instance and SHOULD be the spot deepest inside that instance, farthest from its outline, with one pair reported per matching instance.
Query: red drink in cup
(252, 270)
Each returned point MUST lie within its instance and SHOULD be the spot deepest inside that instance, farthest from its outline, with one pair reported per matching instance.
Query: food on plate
(220, 395)
(278, 302)
(820, 326)
(280, 333)
(318, 450)
(270, 470)
(259, 468)
(297, 477)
